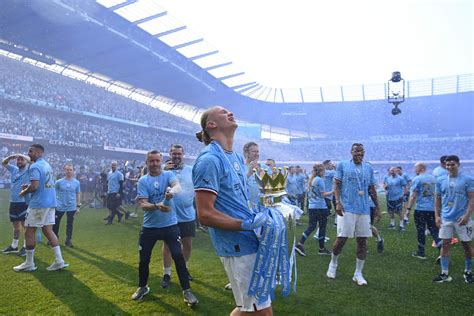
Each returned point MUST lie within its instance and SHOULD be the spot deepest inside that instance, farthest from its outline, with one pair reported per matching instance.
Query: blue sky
(298, 43)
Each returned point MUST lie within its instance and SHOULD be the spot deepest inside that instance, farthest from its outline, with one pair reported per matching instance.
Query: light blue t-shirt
(292, 184)
(407, 178)
(329, 181)
(17, 179)
(439, 171)
(394, 186)
(66, 191)
(300, 183)
(315, 197)
(45, 195)
(222, 173)
(113, 181)
(183, 202)
(424, 185)
(254, 191)
(153, 188)
(454, 195)
(355, 178)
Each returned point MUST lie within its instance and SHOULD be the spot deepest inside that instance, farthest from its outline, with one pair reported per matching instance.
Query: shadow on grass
(113, 268)
(76, 295)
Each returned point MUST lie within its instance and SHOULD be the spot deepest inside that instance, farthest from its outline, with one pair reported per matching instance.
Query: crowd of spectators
(58, 126)
(54, 124)
(22, 79)
(388, 150)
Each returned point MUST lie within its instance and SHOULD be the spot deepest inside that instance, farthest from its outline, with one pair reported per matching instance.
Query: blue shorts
(18, 211)
(394, 206)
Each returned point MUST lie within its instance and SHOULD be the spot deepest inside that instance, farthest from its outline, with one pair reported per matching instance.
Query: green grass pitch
(103, 274)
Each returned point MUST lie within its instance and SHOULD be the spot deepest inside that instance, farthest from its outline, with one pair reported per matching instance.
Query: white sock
(334, 259)
(30, 254)
(401, 223)
(57, 254)
(186, 265)
(359, 266)
(392, 222)
(167, 270)
(24, 243)
(379, 238)
(15, 243)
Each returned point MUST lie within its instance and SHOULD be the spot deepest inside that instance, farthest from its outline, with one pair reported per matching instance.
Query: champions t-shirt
(355, 178)
(223, 173)
(395, 187)
(424, 185)
(113, 181)
(183, 201)
(315, 197)
(17, 179)
(454, 195)
(66, 192)
(153, 188)
(45, 195)
(329, 181)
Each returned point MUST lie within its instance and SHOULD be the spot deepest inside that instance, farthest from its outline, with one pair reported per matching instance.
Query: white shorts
(353, 225)
(239, 271)
(464, 232)
(39, 217)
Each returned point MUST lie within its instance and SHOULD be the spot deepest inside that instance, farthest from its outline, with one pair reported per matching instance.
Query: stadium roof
(153, 17)
(142, 44)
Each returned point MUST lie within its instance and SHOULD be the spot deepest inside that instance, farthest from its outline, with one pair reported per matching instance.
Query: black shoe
(119, 217)
(127, 215)
(419, 255)
(10, 249)
(140, 293)
(300, 250)
(442, 278)
(22, 252)
(165, 283)
(108, 223)
(190, 277)
(69, 244)
(468, 277)
(107, 218)
(380, 245)
(324, 252)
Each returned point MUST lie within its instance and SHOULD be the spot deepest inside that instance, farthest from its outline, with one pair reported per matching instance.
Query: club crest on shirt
(68, 185)
(156, 185)
(236, 166)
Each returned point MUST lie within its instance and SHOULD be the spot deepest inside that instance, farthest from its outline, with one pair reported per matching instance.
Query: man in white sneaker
(454, 204)
(41, 210)
(353, 183)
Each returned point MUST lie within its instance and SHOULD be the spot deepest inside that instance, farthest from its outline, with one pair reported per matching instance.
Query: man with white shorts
(353, 183)
(222, 203)
(454, 204)
(41, 210)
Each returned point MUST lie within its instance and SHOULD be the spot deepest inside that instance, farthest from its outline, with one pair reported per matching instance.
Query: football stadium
(233, 157)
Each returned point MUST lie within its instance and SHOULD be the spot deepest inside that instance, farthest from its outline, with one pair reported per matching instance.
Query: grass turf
(103, 274)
